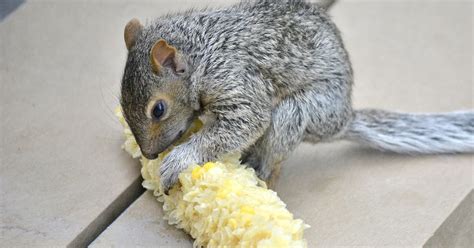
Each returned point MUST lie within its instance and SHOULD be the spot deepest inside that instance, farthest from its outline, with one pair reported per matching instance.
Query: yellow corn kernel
(222, 193)
(246, 220)
(209, 165)
(263, 235)
(247, 210)
(196, 173)
(233, 223)
(229, 183)
(197, 125)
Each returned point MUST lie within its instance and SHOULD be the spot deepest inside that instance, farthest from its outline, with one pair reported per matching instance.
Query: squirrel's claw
(177, 160)
(168, 175)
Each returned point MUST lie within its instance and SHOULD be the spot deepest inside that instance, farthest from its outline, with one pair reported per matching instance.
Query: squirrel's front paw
(177, 160)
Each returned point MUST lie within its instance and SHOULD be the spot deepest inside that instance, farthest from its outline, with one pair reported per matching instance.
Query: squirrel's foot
(274, 175)
(268, 172)
(174, 163)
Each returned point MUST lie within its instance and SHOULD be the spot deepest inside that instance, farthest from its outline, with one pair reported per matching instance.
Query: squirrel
(266, 75)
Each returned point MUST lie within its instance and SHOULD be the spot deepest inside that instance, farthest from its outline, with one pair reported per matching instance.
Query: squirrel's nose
(150, 155)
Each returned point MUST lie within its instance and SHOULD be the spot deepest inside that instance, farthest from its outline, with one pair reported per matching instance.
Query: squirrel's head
(155, 92)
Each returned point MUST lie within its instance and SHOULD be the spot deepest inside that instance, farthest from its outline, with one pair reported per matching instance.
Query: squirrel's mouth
(177, 139)
(180, 138)
(180, 134)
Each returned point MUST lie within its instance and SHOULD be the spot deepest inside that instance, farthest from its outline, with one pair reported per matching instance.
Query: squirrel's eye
(158, 110)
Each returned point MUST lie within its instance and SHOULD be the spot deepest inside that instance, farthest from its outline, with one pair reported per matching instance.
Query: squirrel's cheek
(154, 131)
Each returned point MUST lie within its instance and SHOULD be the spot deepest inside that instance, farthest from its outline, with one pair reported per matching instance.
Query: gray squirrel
(266, 75)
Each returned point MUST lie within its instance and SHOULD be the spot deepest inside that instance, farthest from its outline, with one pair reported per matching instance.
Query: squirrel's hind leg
(328, 110)
(314, 115)
(285, 132)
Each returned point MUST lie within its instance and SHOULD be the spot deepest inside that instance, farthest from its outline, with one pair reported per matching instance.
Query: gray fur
(268, 75)
(413, 133)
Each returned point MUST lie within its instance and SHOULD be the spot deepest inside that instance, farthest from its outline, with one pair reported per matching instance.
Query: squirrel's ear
(131, 32)
(164, 55)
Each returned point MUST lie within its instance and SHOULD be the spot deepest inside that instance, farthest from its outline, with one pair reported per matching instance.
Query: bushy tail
(413, 133)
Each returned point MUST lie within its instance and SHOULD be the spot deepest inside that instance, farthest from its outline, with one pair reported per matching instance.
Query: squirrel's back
(290, 43)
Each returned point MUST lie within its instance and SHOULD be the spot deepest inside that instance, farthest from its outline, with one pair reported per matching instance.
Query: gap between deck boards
(109, 214)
